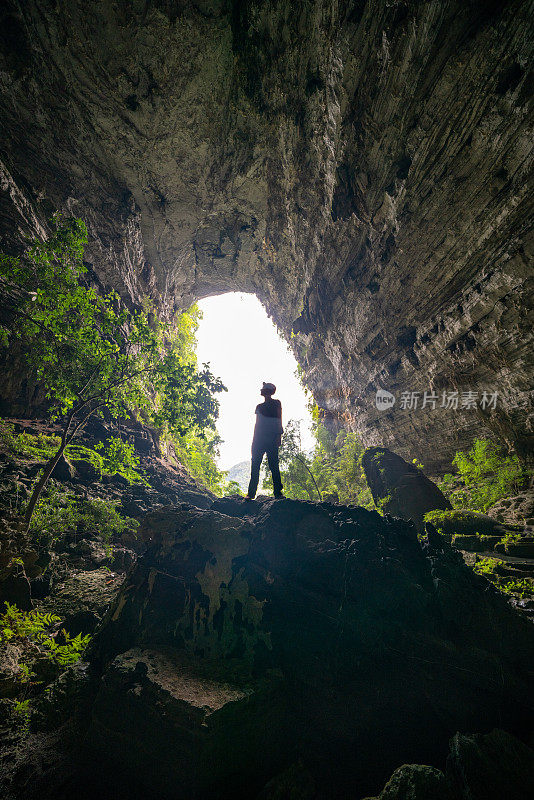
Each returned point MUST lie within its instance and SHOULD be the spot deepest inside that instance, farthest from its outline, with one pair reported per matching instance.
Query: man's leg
(257, 455)
(272, 457)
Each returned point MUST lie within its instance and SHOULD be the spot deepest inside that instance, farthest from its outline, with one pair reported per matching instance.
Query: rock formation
(251, 637)
(399, 488)
(362, 167)
(488, 767)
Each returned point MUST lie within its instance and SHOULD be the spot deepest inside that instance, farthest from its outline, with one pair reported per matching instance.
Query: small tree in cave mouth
(91, 352)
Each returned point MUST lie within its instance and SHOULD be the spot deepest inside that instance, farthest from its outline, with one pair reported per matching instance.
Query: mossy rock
(417, 782)
(86, 470)
(525, 549)
(489, 542)
(472, 544)
(465, 523)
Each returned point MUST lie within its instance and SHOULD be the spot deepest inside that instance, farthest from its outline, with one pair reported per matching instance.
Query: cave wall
(363, 167)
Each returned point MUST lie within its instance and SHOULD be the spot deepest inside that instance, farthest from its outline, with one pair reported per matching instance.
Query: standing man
(267, 439)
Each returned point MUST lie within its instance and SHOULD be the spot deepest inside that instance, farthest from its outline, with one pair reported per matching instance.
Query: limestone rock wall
(363, 167)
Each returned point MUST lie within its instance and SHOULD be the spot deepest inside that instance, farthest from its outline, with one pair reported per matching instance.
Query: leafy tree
(297, 477)
(332, 469)
(91, 352)
(199, 455)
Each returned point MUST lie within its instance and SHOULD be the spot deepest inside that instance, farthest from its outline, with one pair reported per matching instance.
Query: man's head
(268, 389)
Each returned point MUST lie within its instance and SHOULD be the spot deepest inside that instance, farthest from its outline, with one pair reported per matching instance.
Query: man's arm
(279, 440)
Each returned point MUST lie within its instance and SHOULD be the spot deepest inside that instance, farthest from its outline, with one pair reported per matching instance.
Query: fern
(35, 626)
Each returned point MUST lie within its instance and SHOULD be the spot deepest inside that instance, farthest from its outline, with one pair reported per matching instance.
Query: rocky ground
(256, 645)
(75, 573)
(268, 649)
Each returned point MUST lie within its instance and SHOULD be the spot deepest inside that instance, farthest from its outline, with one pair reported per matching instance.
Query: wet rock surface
(321, 635)
(362, 167)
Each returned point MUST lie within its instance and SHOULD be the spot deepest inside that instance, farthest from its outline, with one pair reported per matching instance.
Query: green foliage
(485, 476)
(333, 469)
(436, 518)
(22, 713)
(512, 538)
(491, 567)
(59, 512)
(295, 467)
(36, 627)
(445, 520)
(36, 634)
(487, 566)
(39, 446)
(91, 352)
(232, 487)
(117, 457)
(524, 587)
(114, 457)
(199, 454)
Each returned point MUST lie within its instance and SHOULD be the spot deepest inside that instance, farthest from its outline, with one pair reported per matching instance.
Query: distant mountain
(240, 473)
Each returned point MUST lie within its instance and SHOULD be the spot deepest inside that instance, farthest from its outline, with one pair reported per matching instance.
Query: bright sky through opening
(242, 345)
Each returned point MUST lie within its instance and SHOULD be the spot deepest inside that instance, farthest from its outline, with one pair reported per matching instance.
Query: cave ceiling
(363, 167)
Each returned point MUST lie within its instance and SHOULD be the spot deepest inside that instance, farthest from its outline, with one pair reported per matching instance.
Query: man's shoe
(248, 498)
(280, 496)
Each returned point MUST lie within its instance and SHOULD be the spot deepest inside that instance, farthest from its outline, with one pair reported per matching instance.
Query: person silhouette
(267, 439)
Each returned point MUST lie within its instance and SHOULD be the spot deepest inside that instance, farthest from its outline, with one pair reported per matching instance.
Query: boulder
(400, 488)
(86, 471)
(16, 589)
(82, 599)
(187, 729)
(491, 767)
(63, 471)
(417, 782)
(472, 544)
(522, 549)
(354, 647)
(518, 510)
(467, 523)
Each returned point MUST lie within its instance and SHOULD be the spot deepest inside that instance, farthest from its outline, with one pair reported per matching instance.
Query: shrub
(112, 457)
(60, 512)
(36, 635)
(485, 476)
(487, 566)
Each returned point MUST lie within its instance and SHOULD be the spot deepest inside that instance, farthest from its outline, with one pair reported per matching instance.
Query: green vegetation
(34, 627)
(36, 635)
(493, 569)
(114, 457)
(484, 476)
(199, 455)
(487, 566)
(92, 353)
(462, 521)
(59, 512)
(22, 712)
(512, 538)
(332, 471)
(295, 467)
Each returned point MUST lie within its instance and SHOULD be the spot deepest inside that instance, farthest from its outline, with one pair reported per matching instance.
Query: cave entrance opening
(244, 348)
